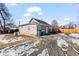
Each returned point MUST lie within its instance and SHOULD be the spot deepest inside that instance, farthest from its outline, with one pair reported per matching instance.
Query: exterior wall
(34, 22)
(50, 27)
(43, 28)
(28, 30)
(47, 30)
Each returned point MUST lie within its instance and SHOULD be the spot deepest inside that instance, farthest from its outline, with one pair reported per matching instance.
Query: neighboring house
(9, 29)
(35, 27)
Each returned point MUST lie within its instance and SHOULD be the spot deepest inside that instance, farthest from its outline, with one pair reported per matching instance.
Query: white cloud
(34, 9)
(31, 10)
(40, 13)
(67, 19)
(27, 14)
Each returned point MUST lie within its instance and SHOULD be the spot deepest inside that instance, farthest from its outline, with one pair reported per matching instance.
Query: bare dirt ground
(43, 46)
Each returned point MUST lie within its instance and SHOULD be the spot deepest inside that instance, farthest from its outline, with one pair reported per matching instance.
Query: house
(35, 27)
(9, 29)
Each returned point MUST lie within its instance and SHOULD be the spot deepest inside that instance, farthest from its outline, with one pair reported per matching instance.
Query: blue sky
(63, 13)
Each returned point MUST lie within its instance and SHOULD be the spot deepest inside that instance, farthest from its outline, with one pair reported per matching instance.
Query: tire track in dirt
(71, 50)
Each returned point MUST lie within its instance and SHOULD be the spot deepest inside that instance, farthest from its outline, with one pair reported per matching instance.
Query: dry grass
(24, 38)
(8, 36)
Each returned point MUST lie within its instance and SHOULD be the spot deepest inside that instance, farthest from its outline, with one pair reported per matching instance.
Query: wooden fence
(75, 30)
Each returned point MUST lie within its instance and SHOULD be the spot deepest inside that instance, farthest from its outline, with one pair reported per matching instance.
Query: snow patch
(74, 35)
(37, 42)
(28, 52)
(44, 53)
(6, 40)
(25, 48)
(75, 41)
(61, 42)
(62, 34)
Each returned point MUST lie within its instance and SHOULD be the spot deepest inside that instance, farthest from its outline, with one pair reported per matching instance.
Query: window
(39, 27)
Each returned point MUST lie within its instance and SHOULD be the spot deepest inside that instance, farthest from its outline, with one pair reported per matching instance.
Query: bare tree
(72, 25)
(54, 26)
(1, 25)
(11, 25)
(78, 23)
(4, 15)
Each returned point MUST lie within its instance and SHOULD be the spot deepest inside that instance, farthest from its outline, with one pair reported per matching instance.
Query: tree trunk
(3, 21)
(1, 24)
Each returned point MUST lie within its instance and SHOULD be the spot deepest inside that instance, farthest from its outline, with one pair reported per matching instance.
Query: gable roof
(26, 24)
(40, 21)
